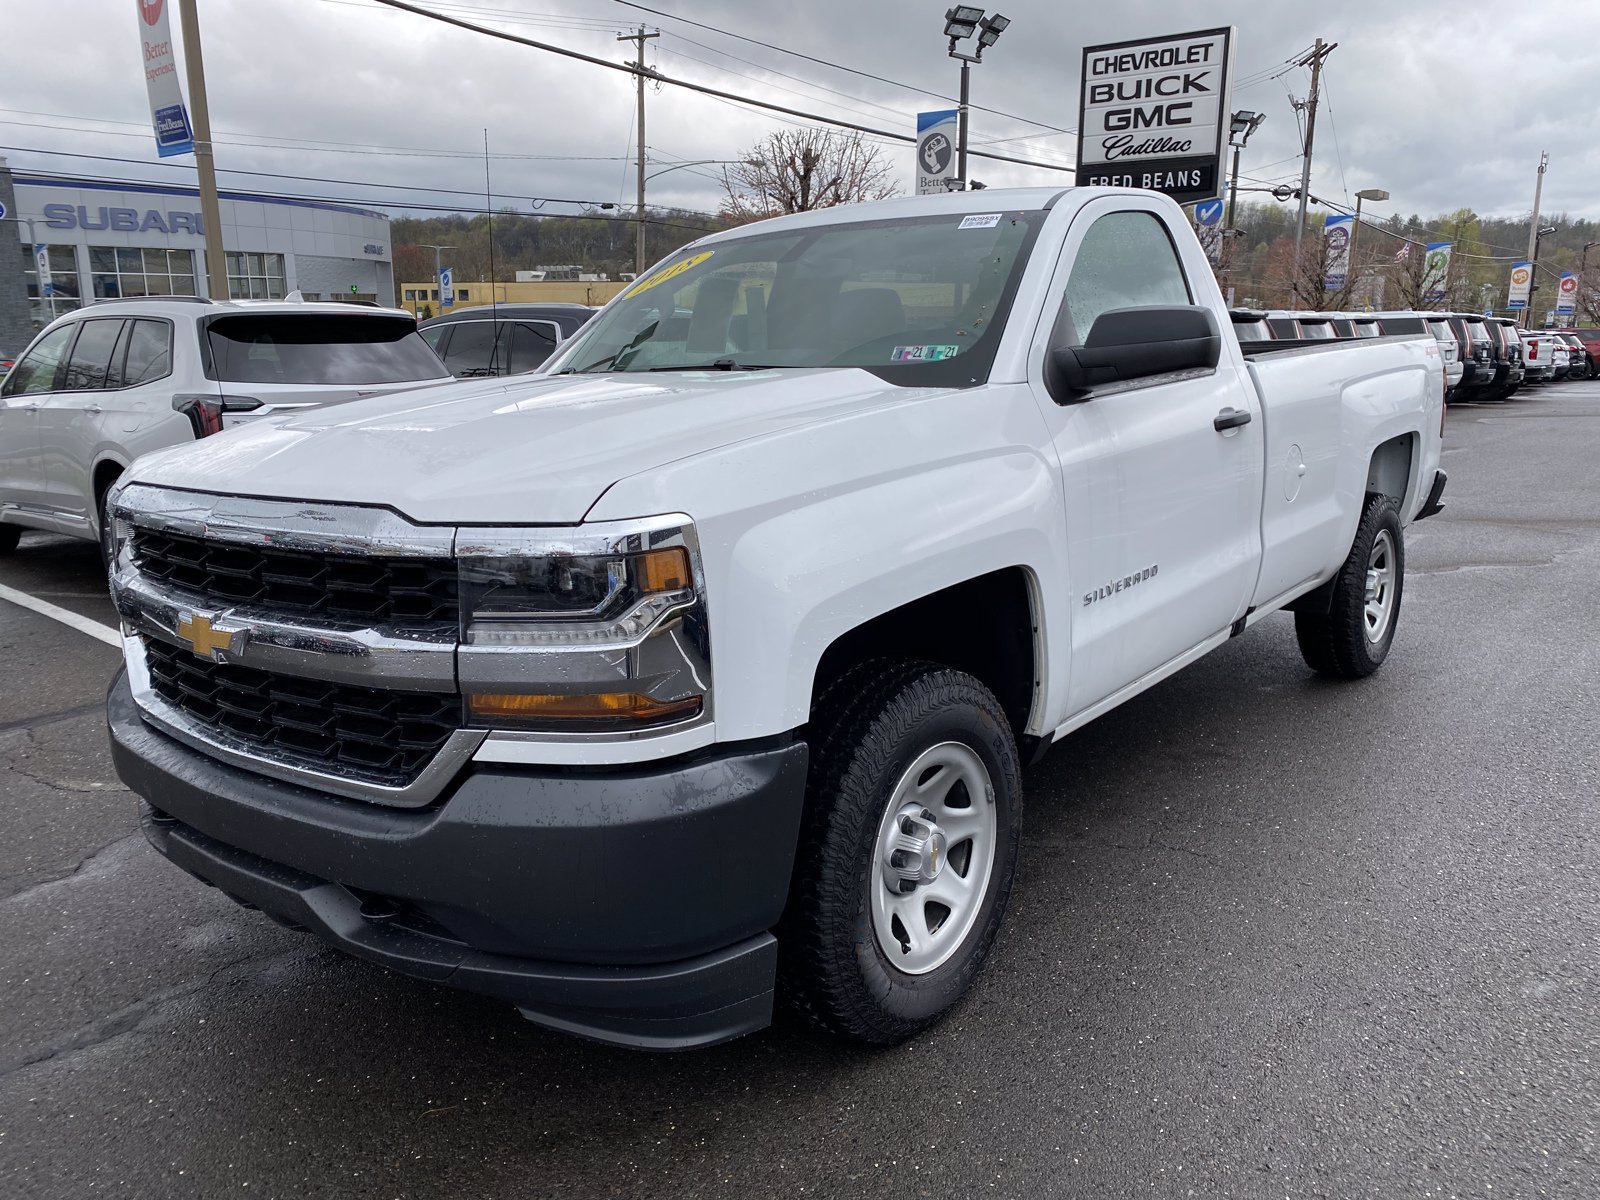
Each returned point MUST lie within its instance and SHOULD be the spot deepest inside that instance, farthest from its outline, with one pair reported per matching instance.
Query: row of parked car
(1486, 358)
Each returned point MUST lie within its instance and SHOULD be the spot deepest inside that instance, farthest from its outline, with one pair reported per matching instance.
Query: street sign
(1153, 113)
(1208, 213)
(1487, 313)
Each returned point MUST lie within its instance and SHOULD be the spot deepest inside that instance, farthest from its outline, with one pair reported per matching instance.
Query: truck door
(1162, 505)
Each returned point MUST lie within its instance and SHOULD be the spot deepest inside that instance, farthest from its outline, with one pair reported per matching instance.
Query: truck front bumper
(634, 907)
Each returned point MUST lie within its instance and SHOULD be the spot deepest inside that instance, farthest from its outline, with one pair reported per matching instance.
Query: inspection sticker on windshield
(980, 221)
(923, 353)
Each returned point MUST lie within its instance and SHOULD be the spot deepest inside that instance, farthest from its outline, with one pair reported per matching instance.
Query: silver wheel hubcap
(932, 858)
(1379, 609)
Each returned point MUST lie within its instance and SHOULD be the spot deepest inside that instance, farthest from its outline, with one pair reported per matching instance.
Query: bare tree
(797, 170)
(1417, 281)
(1307, 285)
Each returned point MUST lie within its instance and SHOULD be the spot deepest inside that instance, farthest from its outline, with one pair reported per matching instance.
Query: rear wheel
(1353, 638)
(10, 535)
(908, 850)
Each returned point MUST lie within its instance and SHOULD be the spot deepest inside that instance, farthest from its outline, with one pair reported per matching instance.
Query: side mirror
(1134, 343)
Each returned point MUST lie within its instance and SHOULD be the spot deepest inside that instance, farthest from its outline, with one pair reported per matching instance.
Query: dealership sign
(1521, 285)
(1436, 272)
(1153, 113)
(122, 220)
(936, 151)
(168, 113)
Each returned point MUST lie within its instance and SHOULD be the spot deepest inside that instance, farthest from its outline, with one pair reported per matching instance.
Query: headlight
(597, 630)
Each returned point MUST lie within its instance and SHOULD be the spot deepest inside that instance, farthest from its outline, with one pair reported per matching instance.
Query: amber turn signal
(598, 706)
(663, 570)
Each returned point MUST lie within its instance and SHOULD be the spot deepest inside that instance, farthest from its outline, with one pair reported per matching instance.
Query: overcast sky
(1443, 103)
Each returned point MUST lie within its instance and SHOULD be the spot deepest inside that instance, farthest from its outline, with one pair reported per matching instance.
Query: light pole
(960, 23)
(1244, 124)
(1533, 267)
(438, 275)
(1376, 195)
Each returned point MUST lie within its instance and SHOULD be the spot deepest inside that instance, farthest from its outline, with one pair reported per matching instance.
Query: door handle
(1231, 418)
(30, 408)
(93, 408)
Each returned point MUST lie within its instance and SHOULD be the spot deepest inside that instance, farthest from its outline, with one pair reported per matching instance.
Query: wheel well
(985, 627)
(1389, 473)
(105, 474)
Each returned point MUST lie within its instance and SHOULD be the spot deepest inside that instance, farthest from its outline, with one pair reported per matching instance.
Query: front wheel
(908, 850)
(1353, 638)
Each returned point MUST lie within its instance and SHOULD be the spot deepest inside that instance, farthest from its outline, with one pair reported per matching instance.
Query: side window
(36, 372)
(434, 335)
(531, 343)
(90, 364)
(471, 352)
(149, 353)
(1126, 259)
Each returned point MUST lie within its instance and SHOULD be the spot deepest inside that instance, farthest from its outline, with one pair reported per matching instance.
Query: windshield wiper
(721, 364)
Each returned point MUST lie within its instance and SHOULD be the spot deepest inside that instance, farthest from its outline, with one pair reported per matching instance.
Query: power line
(682, 83)
(323, 179)
(839, 67)
(450, 209)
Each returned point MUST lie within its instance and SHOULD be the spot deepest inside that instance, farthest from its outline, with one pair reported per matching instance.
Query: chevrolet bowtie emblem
(203, 638)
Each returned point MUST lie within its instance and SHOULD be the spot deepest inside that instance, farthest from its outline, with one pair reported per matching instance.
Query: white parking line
(44, 608)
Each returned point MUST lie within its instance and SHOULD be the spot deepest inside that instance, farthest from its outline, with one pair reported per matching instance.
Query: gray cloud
(1444, 104)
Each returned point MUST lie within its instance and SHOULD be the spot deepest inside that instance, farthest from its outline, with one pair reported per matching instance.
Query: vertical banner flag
(168, 114)
(1336, 231)
(1154, 113)
(1567, 297)
(936, 151)
(41, 264)
(447, 287)
(1521, 285)
(1436, 272)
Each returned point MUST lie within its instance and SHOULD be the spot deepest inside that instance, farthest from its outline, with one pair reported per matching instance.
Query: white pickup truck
(701, 667)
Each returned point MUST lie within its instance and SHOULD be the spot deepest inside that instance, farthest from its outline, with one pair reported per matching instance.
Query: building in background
(16, 321)
(422, 297)
(104, 240)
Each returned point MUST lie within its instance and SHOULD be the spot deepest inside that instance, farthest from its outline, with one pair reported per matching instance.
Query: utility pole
(204, 162)
(1533, 241)
(1314, 61)
(638, 238)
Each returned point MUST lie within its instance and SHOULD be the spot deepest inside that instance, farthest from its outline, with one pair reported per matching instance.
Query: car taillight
(205, 412)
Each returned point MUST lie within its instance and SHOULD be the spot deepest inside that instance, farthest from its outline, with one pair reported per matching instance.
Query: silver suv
(101, 386)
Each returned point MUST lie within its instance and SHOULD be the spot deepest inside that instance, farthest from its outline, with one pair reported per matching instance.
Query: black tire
(10, 535)
(867, 730)
(1339, 644)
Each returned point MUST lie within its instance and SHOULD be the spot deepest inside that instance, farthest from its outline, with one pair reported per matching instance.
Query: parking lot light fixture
(960, 23)
(1373, 194)
(1243, 124)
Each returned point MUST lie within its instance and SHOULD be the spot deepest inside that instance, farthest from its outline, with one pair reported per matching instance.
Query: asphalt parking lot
(1272, 937)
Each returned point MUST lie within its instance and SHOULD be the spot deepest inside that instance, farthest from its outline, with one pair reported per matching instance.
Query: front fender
(808, 533)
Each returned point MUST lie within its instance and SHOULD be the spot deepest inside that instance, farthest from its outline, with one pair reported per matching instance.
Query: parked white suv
(101, 386)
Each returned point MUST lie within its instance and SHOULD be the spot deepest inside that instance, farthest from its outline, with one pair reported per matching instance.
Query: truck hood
(533, 450)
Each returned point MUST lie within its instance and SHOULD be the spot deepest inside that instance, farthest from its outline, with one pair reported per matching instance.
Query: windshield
(917, 301)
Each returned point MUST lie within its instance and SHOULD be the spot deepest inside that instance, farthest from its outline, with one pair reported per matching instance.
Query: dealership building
(110, 239)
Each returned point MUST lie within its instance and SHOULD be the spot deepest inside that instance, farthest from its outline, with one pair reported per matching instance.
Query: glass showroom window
(131, 271)
(61, 294)
(255, 276)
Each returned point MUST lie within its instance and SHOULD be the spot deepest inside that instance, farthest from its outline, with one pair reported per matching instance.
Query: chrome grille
(299, 583)
(382, 737)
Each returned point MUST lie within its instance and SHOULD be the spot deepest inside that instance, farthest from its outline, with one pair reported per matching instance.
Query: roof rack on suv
(156, 300)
